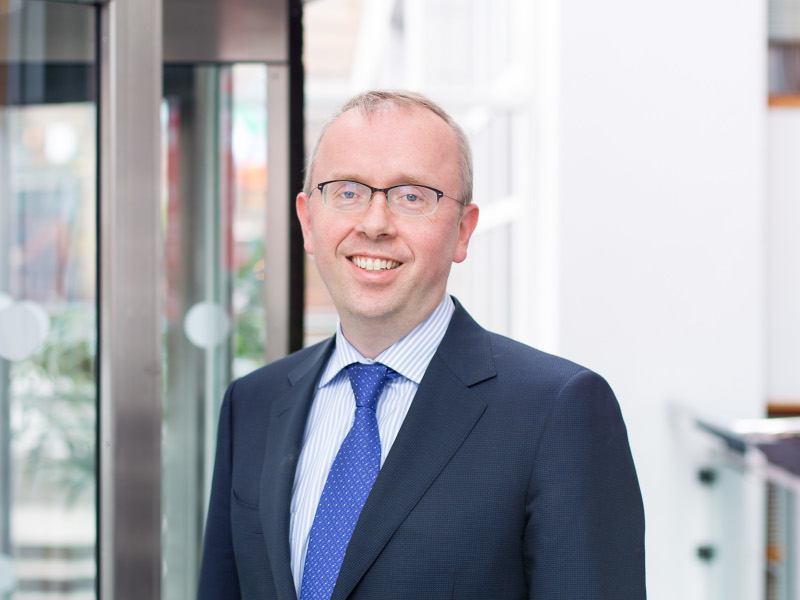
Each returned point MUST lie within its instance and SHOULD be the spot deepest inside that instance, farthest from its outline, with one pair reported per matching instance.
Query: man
(415, 455)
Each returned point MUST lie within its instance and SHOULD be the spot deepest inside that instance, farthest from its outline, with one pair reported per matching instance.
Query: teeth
(374, 264)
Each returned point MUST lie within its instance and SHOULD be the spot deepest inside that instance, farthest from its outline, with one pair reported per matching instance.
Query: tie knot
(367, 382)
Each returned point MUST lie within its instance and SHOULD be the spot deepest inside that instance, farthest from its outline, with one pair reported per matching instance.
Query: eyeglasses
(406, 199)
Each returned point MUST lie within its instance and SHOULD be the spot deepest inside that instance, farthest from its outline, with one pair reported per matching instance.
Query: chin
(366, 309)
(371, 312)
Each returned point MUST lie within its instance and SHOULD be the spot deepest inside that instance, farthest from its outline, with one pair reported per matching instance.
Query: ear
(301, 205)
(466, 225)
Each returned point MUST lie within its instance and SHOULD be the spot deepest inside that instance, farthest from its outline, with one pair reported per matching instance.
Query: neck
(374, 335)
(370, 343)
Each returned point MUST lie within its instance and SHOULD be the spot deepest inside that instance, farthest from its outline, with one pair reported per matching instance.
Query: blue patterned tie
(349, 481)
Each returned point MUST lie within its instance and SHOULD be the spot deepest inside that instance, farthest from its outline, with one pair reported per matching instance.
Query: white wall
(783, 251)
(660, 232)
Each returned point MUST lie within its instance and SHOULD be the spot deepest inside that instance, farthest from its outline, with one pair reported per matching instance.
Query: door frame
(129, 272)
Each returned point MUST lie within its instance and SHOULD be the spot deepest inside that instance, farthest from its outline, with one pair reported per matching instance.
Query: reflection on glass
(48, 344)
(215, 151)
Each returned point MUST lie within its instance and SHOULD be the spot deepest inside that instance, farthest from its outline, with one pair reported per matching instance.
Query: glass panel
(48, 343)
(215, 144)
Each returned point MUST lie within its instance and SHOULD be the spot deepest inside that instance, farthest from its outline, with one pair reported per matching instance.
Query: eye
(346, 191)
(346, 195)
(412, 197)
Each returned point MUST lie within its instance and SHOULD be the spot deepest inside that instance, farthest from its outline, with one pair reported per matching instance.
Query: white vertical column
(783, 254)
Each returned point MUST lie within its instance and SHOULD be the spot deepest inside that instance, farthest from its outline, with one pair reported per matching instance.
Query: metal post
(130, 332)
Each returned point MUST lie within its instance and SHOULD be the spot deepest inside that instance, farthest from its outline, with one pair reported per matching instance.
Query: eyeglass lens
(407, 200)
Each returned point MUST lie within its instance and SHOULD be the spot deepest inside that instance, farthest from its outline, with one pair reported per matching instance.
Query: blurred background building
(637, 174)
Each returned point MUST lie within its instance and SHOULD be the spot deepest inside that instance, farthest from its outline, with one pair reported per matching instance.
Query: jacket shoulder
(511, 354)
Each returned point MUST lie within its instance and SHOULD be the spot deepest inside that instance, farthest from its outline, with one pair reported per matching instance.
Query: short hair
(369, 102)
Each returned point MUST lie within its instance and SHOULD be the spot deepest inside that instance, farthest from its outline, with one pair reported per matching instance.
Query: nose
(376, 221)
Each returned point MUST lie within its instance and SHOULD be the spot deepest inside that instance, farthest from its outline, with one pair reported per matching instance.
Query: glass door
(228, 246)
(134, 283)
(48, 300)
(214, 132)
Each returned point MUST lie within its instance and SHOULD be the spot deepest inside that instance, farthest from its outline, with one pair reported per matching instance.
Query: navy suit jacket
(510, 478)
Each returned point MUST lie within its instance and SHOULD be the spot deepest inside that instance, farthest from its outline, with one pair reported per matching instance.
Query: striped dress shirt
(332, 412)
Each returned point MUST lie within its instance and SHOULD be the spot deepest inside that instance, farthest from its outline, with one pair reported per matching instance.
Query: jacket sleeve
(218, 575)
(584, 535)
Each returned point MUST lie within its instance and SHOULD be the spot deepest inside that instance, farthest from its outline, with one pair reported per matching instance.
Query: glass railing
(751, 473)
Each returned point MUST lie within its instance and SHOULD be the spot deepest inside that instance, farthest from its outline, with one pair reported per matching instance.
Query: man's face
(393, 145)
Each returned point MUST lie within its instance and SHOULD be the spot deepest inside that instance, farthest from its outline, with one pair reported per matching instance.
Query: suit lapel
(444, 411)
(284, 442)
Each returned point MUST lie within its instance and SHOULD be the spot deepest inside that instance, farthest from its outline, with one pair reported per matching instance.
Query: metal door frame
(129, 251)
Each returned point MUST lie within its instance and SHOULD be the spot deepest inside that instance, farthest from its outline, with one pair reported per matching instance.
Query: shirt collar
(409, 356)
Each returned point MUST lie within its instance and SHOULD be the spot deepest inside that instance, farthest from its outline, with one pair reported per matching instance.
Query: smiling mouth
(374, 264)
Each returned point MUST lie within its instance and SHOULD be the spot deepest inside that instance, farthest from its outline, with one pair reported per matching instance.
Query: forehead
(388, 144)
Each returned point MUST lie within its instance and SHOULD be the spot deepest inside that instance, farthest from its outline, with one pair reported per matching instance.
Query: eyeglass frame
(439, 194)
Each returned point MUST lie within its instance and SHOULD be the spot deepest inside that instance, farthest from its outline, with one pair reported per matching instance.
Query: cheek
(436, 253)
(324, 240)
